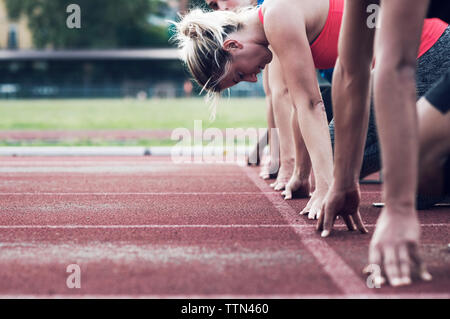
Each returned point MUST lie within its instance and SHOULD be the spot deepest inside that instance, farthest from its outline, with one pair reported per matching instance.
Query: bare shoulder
(304, 15)
(281, 18)
(282, 10)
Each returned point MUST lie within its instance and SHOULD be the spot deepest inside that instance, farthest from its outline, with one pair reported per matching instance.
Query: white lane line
(231, 296)
(144, 226)
(101, 169)
(332, 264)
(86, 163)
(183, 226)
(143, 193)
(135, 194)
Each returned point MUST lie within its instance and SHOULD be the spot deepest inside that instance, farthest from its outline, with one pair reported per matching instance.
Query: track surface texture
(148, 227)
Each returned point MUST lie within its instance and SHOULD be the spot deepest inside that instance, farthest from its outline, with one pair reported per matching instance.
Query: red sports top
(325, 46)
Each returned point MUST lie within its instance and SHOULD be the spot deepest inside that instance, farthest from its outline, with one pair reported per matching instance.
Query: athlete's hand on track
(394, 249)
(343, 203)
(301, 188)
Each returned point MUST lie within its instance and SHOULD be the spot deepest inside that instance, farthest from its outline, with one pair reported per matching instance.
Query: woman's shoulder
(276, 9)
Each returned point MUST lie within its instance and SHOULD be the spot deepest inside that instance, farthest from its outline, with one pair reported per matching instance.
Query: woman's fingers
(279, 186)
(328, 221)
(349, 222)
(359, 223)
(264, 175)
(397, 262)
(404, 265)
(307, 208)
(375, 259)
(319, 225)
(287, 193)
(418, 263)
(374, 271)
(390, 262)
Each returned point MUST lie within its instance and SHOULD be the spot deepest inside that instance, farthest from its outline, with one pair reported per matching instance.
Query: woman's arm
(395, 241)
(286, 33)
(299, 182)
(350, 95)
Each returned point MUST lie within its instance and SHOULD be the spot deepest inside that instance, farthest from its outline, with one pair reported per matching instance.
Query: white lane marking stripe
(332, 264)
(132, 193)
(142, 226)
(146, 193)
(182, 226)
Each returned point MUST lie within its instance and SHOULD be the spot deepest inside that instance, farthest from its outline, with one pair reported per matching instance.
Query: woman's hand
(341, 202)
(394, 248)
(297, 186)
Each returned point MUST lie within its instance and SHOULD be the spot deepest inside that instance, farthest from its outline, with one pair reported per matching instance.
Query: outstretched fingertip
(426, 276)
(363, 230)
(325, 233)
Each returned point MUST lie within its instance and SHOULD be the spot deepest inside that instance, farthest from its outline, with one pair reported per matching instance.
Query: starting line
(312, 226)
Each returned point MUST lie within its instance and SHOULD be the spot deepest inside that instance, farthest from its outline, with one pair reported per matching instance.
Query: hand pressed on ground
(284, 174)
(269, 167)
(313, 208)
(343, 203)
(297, 186)
(395, 248)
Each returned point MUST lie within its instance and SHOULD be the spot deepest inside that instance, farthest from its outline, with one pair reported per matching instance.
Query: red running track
(147, 227)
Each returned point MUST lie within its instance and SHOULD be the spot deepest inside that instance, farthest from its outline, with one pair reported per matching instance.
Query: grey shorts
(439, 94)
(433, 64)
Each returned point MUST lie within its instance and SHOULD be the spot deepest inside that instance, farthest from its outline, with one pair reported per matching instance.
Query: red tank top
(325, 46)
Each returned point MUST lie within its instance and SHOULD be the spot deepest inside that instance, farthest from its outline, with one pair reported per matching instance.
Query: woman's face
(247, 61)
(228, 4)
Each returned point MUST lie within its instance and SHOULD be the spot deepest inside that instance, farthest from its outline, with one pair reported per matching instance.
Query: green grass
(104, 114)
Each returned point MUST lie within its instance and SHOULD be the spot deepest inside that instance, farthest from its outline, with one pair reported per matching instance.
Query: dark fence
(100, 74)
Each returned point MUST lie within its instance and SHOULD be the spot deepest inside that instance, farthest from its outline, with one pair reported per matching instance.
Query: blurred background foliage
(105, 23)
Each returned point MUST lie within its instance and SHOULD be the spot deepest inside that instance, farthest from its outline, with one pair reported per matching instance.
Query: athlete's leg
(434, 132)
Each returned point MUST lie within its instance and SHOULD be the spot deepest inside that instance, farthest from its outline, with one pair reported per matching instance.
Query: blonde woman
(223, 48)
(279, 110)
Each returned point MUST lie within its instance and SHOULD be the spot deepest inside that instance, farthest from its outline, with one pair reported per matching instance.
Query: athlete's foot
(314, 206)
(269, 168)
(284, 175)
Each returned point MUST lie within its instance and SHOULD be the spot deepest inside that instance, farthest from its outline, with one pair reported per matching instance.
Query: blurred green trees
(104, 23)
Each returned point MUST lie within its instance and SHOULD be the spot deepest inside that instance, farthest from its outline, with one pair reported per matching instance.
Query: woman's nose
(251, 78)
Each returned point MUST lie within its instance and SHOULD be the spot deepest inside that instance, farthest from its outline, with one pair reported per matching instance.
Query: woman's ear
(231, 44)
